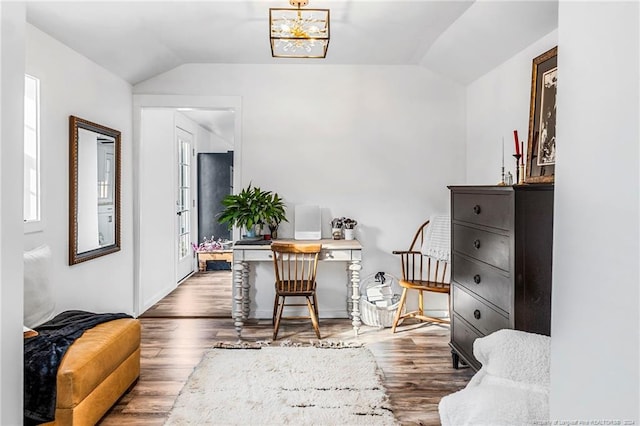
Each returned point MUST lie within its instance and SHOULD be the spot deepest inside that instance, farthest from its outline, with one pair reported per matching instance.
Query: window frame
(37, 224)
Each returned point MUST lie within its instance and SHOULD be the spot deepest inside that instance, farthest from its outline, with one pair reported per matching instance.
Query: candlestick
(517, 157)
(501, 183)
(522, 153)
(521, 174)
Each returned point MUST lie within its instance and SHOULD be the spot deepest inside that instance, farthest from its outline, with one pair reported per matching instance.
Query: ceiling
(219, 122)
(137, 40)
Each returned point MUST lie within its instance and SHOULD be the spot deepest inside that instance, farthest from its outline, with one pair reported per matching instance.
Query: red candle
(515, 136)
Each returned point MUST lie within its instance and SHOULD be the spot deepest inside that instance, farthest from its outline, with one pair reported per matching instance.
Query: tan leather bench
(97, 369)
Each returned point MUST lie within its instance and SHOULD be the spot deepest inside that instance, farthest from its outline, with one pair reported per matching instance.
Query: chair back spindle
(295, 266)
(421, 273)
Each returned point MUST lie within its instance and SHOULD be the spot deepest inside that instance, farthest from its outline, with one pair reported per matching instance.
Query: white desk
(349, 251)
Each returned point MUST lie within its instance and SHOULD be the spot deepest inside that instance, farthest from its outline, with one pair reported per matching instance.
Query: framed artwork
(541, 146)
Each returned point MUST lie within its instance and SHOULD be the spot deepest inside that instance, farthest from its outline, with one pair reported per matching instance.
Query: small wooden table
(203, 256)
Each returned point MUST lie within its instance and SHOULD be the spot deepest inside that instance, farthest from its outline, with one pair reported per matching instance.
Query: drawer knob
(476, 279)
(476, 244)
(476, 209)
(476, 314)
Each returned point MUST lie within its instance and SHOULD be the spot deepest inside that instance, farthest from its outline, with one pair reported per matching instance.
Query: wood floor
(416, 360)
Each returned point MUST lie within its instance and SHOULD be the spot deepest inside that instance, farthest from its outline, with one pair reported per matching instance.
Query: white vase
(349, 234)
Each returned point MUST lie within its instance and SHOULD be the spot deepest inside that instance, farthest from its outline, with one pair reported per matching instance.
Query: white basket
(372, 314)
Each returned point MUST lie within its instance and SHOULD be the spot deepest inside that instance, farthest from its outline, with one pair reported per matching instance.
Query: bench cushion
(94, 357)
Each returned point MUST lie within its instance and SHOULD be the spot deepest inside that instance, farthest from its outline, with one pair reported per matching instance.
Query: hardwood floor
(416, 360)
(203, 295)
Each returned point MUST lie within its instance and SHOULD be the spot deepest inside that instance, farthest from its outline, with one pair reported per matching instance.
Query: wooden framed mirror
(94, 190)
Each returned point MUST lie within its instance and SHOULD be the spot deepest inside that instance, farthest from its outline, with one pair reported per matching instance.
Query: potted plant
(349, 226)
(252, 208)
(274, 212)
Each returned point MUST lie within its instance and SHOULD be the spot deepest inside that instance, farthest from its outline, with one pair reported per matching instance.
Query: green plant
(274, 211)
(251, 207)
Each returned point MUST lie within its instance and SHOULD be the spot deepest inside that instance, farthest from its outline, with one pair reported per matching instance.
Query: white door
(184, 256)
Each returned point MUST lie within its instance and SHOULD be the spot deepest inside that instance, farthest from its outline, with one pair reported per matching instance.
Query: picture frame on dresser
(541, 146)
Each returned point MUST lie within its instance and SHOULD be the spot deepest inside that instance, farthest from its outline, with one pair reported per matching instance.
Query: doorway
(156, 268)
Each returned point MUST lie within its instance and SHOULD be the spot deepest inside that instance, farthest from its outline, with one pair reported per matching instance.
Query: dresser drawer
(482, 245)
(483, 280)
(476, 313)
(462, 338)
(484, 209)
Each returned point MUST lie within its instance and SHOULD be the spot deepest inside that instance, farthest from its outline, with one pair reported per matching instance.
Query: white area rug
(284, 385)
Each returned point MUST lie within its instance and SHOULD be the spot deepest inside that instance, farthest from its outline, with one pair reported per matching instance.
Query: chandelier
(298, 33)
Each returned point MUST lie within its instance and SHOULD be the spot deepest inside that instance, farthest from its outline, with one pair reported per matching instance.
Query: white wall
(595, 345)
(157, 206)
(498, 104)
(12, 35)
(210, 142)
(378, 144)
(70, 84)
(595, 371)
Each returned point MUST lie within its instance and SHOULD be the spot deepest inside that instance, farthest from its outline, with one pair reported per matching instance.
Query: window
(31, 195)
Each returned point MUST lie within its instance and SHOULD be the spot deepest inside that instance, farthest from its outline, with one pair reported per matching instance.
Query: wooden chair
(295, 268)
(420, 273)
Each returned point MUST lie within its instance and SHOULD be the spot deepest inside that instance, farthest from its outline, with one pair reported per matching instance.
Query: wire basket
(381, 311)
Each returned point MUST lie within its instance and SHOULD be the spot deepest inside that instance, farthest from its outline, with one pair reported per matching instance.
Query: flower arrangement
(336, 223)
(341, 224)
(348, 223)
(211, 244)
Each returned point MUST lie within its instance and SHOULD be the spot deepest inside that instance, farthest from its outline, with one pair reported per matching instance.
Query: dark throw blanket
(42, 357)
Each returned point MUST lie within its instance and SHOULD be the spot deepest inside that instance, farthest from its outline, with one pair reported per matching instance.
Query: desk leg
(245, 291)
(240, 281)
(354, 280)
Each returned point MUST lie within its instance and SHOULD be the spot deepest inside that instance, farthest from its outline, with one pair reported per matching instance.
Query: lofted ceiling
(137, 40)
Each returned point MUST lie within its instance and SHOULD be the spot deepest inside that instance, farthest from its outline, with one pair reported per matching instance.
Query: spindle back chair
(295, 266)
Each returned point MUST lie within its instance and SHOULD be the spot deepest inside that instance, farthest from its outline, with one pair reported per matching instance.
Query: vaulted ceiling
(462, 39)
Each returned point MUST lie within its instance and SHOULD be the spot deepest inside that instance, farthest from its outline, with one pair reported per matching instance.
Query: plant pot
(349, 234)
(336, 233)
(251, 233)
(274, 231)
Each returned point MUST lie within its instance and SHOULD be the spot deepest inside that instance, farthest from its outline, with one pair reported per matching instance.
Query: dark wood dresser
(501, 247)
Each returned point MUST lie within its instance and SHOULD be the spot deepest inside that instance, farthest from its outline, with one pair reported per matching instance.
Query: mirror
(94, 190)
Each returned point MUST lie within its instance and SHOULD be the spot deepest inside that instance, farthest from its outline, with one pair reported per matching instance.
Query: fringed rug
(296, 385)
